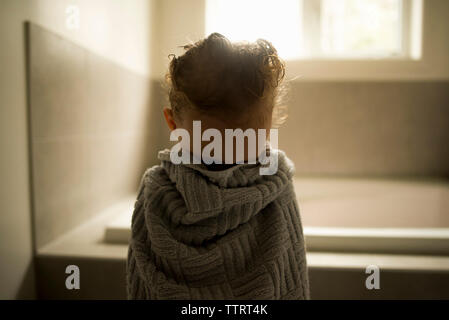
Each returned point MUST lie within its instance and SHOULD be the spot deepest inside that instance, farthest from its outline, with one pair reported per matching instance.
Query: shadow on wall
(27, 288)
(159, 138)
(95, 128)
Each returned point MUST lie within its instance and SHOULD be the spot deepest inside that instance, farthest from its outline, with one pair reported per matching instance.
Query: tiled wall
(92, 132)
(368, 128)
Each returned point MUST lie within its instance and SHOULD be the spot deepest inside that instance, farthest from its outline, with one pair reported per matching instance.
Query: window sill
(366, 59)
(391, 69)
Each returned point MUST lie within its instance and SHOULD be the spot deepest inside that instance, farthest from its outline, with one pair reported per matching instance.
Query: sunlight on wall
(278, 22)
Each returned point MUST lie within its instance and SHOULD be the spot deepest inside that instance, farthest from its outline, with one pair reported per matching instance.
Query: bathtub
(359, 215)
(375, 215)
(400, 226)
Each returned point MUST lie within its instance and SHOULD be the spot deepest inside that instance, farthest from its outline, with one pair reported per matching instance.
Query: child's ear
(168, 114)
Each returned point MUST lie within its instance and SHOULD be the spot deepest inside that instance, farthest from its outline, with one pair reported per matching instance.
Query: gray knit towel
(231, 234)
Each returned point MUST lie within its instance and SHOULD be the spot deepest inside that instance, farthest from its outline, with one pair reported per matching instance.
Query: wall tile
(90, 132)
(368, 128)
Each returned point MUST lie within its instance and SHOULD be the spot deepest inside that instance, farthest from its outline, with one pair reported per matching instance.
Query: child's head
(224, 84)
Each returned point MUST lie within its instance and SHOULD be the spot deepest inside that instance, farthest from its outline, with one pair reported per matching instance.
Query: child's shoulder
(155, 176)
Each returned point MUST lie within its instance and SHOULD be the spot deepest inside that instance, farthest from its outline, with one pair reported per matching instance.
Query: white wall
(179, 22)
(118, 30)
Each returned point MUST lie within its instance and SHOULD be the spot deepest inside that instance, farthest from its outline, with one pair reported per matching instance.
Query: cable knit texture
(231, 234)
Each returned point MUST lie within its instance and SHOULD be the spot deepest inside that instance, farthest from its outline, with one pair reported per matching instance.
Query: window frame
(312, 25)
(409, 42)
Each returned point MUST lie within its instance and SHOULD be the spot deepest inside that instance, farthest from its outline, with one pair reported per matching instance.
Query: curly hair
(222, 78)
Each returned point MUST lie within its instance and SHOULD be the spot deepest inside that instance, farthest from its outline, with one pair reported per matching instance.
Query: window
(337, 29)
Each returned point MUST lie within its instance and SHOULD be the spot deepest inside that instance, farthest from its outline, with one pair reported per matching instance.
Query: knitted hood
(190, 222)
(215, 202)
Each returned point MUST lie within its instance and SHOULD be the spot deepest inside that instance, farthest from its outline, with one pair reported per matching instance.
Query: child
(219, 231)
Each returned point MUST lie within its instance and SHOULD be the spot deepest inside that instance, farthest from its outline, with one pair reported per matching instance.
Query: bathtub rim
(424, 241)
